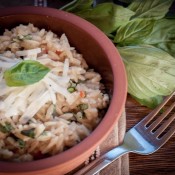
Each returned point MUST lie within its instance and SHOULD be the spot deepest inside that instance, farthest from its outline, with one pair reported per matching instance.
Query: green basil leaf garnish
(25, 73)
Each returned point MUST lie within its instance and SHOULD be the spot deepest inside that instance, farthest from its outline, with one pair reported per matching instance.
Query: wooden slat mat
(121, 165)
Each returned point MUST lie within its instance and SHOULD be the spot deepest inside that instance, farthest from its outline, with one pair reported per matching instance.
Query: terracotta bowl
(100, 54)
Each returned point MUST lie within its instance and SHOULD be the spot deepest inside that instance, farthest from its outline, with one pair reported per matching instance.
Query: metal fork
(144, 138)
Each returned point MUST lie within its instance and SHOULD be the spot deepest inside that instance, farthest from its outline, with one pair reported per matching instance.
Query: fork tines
(159, 127)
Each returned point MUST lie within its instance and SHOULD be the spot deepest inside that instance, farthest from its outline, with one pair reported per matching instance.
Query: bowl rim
(113, 113)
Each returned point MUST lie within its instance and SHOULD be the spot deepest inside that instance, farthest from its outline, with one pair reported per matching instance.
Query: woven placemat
(121, 165)
(115, 138)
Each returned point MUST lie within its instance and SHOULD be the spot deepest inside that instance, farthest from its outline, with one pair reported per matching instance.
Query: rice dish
(56, 112)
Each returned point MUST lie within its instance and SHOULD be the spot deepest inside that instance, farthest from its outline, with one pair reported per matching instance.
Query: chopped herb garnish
(22, 37)
(6, 128)
(27, 37)
(21, 143)
(29, 132)
(83, 106)
(71, 89)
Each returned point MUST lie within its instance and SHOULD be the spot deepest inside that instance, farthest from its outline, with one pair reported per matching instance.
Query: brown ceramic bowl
(100, 54)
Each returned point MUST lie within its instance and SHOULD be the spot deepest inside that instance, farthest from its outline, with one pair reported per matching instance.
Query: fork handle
(103, 161)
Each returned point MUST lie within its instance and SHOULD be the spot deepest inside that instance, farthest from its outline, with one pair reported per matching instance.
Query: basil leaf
(150, 72)
(156, 9)
(134, 31)
(151, 102)
(162, 36)
(25, 73)
(107, 16)
(159, 33)
(77, 5)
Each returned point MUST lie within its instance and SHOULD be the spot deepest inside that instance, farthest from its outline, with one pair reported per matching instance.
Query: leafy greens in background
(148, 76)
(107, 16)
(159, 33)
(134, 31)
(144, 33)
(156, 9)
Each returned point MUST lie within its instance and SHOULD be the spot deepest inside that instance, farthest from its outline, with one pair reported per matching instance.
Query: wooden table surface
(161, 162)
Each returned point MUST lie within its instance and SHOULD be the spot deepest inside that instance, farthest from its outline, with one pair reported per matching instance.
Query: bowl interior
(99, 53)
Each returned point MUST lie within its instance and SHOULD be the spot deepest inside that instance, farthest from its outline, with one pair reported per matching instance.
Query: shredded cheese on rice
(58, 111)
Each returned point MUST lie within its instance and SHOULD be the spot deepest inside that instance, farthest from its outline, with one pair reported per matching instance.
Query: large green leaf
(150, 102)
(150, 8)
(159, 33)
(134, 31)
(162, 35)
(150, 72)
(25, 73)
(107, 16)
